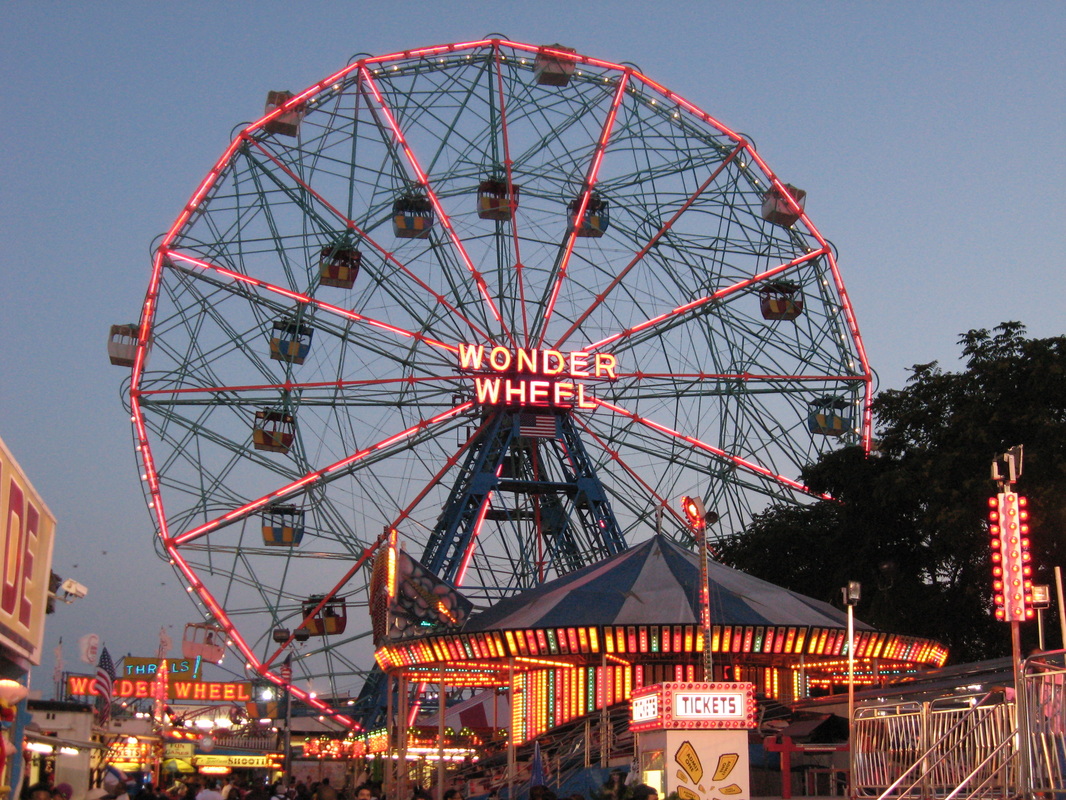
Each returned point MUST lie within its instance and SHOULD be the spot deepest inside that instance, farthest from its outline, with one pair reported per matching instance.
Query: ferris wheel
(508, 300)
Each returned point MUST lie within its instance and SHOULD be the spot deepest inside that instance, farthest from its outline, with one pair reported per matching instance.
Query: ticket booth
(693, 738)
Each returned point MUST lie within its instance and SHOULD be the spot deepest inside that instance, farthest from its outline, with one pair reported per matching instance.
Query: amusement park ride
(509, 301)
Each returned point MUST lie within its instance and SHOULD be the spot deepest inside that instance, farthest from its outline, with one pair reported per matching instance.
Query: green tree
(909, 520)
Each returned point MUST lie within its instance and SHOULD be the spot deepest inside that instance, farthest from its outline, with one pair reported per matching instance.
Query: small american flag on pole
(286, 669)
(104, 685)
(537, 426)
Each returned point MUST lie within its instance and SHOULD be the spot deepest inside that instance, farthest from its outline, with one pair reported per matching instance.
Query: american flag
(537, 426)
(286, 669)
(104, 683)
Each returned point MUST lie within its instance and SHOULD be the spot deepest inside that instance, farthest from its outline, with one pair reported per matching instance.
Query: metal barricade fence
(930, 749)
(888, 740)
(1044, 687)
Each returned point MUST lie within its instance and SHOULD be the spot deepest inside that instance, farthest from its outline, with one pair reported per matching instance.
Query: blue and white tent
(654, 583)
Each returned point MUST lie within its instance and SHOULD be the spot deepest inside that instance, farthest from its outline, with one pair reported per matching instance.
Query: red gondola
(781, 301)
(287, 124)
(332, 617)
(339, 266)
(273, 431)
(777, 209)
(495, 202)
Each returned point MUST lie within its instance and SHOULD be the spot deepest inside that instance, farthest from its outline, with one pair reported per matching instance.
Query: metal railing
(951, 746)
(1044, 698)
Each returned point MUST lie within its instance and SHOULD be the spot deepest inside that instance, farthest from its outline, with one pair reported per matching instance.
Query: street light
(852, 593)
(698, 518)
(281, 636)
(1041, 600)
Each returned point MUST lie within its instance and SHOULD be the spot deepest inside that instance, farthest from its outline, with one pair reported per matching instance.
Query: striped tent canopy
(657, 582)
(645, 602)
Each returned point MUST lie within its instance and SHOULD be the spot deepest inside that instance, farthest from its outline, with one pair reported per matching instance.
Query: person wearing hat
(62, 791)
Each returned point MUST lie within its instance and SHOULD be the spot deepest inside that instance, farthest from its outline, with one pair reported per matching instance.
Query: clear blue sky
(929, 137)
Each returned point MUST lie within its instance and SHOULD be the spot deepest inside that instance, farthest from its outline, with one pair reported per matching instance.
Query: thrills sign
(541, 378)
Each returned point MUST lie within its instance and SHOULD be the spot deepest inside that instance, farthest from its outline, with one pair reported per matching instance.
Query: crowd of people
(197, 787)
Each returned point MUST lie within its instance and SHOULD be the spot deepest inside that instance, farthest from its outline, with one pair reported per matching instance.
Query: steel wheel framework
(709, 396)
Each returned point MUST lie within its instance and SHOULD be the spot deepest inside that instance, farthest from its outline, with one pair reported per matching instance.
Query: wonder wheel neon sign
(530, 377)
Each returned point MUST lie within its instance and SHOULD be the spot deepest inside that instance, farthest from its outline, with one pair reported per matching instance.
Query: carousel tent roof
(656, 582)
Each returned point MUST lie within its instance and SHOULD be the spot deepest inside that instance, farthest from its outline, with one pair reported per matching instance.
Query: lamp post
(281, 635)
(1041, 600)
(697, 518)
(852, 593)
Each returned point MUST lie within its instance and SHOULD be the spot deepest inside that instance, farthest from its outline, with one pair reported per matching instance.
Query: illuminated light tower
(1012, 585)
(1012, 571)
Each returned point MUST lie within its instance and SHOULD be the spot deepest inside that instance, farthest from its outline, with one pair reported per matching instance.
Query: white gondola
(122, 344)
(287, 124)
(552, 69)
(205, 641)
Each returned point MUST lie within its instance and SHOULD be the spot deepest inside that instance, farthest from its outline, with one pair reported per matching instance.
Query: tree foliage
(909, 520)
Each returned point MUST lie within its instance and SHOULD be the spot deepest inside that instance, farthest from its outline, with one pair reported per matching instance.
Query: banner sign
(270, 760)
(202, 691)
(181, 669)
(27, 530)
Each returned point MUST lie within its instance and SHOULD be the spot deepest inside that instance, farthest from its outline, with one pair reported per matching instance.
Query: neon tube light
(737, 460)
(423, 179)
(307, 300)
(590, 184)
(317, 475)
(364, 236)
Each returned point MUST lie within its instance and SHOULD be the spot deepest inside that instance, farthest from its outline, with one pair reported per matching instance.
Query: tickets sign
(27, 530)
(685, 706)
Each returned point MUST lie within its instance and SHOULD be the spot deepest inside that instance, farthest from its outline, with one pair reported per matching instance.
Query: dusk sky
(929, 138)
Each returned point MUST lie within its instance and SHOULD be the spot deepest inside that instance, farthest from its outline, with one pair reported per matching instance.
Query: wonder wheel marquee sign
(538, 378)
(27, 530)
(197, 690)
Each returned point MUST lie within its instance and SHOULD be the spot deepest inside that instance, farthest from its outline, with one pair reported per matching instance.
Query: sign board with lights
(181, 669)
(1012, 572)
(693, 706)
(268, 760)
(530, 377)
(207, 691)
(27, 529)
